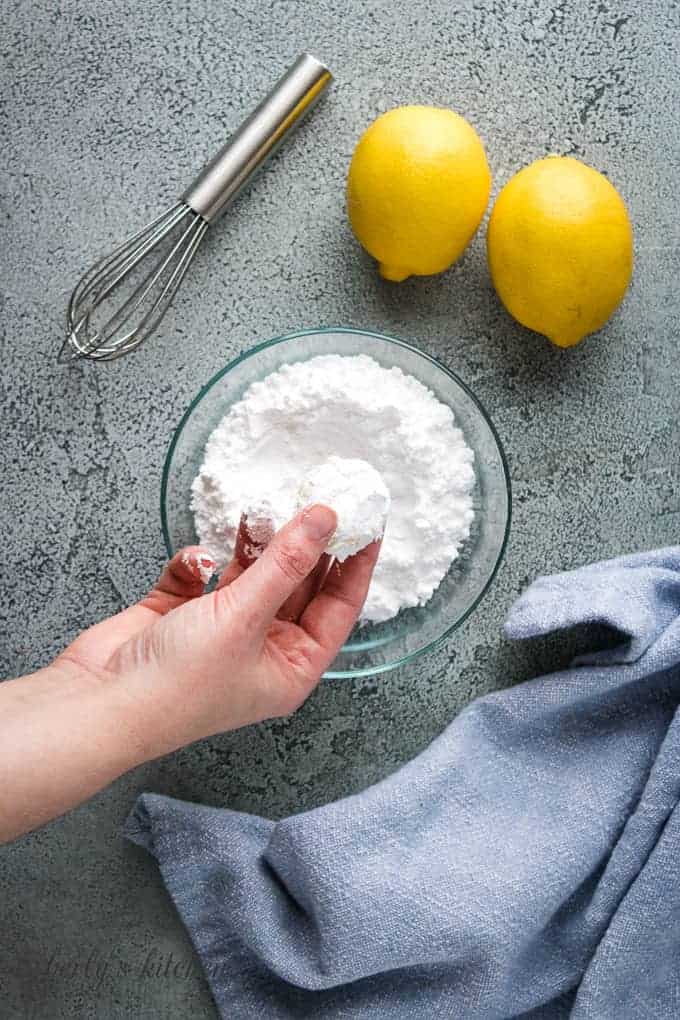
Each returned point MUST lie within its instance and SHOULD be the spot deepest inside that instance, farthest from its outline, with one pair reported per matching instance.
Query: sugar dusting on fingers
(200, 564)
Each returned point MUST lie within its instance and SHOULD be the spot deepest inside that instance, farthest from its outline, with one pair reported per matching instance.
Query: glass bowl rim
(365, 671)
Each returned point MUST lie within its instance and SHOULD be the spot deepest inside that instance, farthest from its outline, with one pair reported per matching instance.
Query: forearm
(65, 733)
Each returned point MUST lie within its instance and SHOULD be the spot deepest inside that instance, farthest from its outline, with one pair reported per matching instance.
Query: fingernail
(206, 569)
(318, 522)
(253, 537)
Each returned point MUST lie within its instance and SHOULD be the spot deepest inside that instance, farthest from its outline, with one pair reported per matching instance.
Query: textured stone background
(109, 108)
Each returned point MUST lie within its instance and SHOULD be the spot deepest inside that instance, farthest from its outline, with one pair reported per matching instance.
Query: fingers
(249, 547)
(288, 560)
(195, 564)
(182, 580)
(293, 608)
(229, 574)
(252, 539)
(330, 616)
(189, 569)
(246, 550)
(184, 577)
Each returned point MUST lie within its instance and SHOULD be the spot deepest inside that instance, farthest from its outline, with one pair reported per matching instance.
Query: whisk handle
(257, 138)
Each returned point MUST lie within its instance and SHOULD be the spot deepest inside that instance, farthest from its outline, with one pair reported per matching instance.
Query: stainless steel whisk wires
(181, 229)
(159, 284)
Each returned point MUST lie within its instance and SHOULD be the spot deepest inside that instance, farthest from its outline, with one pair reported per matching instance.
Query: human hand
(189, 664)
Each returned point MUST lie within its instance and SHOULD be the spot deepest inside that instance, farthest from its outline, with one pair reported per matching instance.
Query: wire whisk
(149, 300)
(122, 299)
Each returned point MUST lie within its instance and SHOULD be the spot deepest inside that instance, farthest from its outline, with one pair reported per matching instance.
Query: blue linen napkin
(525, 864)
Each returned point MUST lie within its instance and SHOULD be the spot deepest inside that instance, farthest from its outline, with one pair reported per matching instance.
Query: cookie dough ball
(359, 496)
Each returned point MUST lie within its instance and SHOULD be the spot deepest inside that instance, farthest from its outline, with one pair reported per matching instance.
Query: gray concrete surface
(108, 108)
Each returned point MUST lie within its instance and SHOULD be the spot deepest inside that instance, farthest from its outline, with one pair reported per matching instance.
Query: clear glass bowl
(372, 648)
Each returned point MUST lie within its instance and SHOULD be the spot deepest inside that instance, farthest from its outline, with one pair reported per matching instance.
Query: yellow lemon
(560, 248)
(417, 189)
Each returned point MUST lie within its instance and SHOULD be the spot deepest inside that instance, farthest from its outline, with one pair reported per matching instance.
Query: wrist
(108, 700)
(154, 717)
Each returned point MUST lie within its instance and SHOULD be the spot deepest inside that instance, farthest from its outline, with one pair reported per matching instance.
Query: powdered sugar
(199, 565)
(285, 427)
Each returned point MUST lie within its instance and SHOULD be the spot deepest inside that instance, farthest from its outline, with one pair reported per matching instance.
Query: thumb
(289, 558)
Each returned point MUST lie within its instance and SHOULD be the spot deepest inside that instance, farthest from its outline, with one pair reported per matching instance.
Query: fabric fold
(521, 865)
